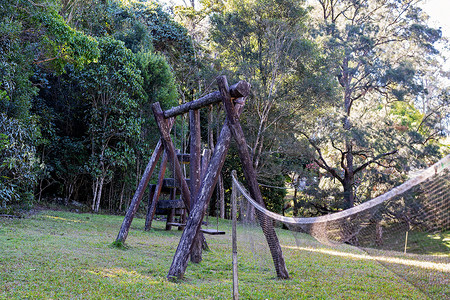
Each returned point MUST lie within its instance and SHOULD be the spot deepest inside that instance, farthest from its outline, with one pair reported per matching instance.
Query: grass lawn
(63, 255)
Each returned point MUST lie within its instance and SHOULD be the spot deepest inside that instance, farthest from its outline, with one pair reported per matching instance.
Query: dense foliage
(76, 101)
(345, 95)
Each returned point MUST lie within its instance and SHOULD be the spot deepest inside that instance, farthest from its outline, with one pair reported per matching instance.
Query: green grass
(62, 255)
(419, 242)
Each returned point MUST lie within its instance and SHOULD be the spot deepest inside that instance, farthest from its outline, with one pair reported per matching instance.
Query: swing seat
(176, 224)
(211, 231)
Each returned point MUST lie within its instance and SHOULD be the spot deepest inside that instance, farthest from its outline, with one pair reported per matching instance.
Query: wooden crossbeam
(238, 90)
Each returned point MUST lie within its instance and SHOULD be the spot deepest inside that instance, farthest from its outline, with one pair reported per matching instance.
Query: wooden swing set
(195, 196)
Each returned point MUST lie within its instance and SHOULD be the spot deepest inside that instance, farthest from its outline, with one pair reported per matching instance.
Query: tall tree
(113, 88)
(267, 43)
(378, 48)
(34, 41)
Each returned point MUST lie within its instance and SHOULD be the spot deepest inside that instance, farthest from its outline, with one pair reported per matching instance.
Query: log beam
(238, 90)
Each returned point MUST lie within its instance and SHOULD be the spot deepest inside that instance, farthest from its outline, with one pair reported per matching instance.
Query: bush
(19, 165)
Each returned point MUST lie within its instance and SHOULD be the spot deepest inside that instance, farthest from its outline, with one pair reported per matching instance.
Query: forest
(347, 97)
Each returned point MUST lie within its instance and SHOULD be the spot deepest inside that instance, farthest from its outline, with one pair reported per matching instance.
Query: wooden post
(250, 175)
(209, 180)
(234, 240)
(195, 153)
(152, 190)
(171, 154)
(152, 208)
(123, 232)
(194, 175)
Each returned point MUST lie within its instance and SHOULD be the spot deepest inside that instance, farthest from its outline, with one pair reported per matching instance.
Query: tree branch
(322, 163)
(363, 166)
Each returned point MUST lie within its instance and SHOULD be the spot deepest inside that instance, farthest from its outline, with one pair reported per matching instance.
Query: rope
(424, 175)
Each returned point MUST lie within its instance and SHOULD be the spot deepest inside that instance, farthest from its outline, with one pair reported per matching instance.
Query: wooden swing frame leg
(169, 148)
(209, 180)
(131, 212)
(250, 176)
(195, 177)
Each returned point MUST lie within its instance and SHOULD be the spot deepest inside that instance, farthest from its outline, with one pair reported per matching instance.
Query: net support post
(234, 239)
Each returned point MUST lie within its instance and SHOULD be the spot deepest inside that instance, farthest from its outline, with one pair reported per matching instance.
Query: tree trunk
(349, 198)
(295, 208)
(349, 177)
(379, 233)
(121, 196)
(99, 194)
(110, 196)
(94, 193)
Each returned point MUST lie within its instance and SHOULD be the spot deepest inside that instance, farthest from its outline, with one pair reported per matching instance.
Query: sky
(439, 10)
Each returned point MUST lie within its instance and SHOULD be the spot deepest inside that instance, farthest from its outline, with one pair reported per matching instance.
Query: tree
(378, 48)
(77, 147)
(34, 41)
(267, 43)
(19, 165)
(113, 88)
